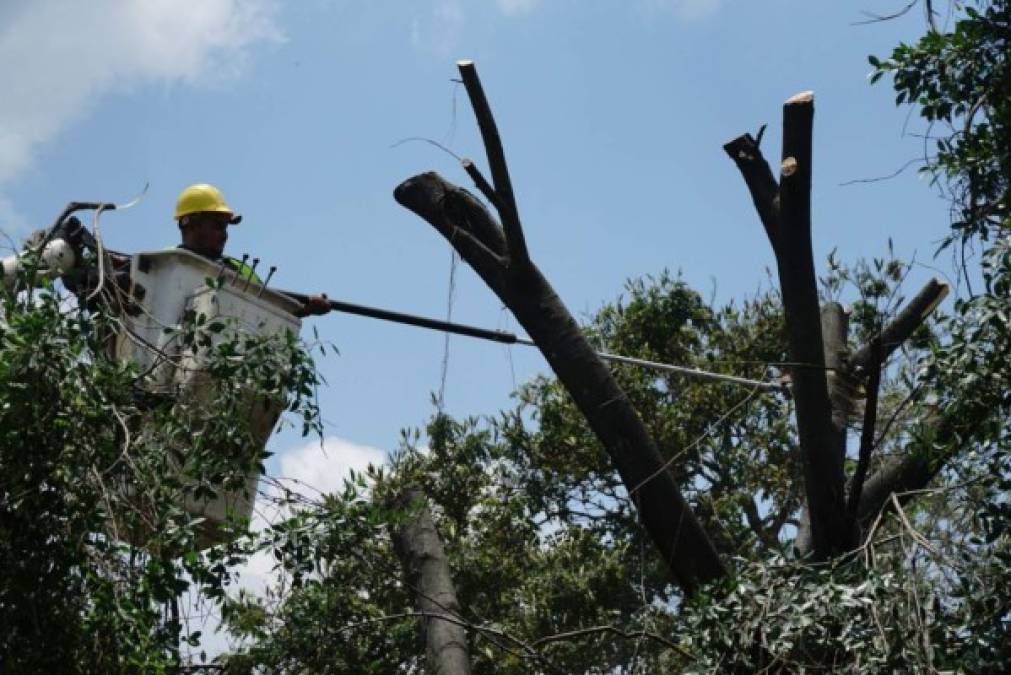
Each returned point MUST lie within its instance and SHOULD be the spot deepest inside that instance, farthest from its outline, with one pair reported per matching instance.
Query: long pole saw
(504, 337)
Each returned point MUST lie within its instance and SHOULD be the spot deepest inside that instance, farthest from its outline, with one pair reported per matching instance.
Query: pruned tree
(784, 208)
(497, 251)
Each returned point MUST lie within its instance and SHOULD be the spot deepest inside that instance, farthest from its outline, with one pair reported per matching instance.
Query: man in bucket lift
(204, 217)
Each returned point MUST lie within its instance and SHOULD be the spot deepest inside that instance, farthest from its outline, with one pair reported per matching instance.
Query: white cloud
(12, 226)
(439, 25)
(61, 56)
(685, 9)
(516, 6)
(438, 31)
(315, 469)
(307, 470)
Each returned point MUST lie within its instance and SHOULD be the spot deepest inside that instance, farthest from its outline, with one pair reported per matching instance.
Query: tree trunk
(421, 553)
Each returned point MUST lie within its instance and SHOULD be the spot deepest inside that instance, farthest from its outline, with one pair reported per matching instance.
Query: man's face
(206, 233)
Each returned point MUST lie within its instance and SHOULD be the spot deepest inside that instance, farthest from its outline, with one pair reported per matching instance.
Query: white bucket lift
(164, 285)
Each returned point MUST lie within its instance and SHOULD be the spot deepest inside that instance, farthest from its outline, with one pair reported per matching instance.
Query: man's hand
(315, 305)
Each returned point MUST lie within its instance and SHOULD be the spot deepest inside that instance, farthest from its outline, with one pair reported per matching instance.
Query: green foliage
(91, 459)
(552, 570)
(555, 574)
(959, 80)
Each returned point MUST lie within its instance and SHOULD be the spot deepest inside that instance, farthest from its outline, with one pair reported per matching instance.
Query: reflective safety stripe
(242, 270)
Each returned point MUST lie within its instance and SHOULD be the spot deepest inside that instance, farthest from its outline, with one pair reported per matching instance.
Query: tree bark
(785, 211)
(423, 557)
(475, 234)
(835, 332)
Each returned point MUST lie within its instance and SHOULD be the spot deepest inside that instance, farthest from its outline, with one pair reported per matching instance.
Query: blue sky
(613, 116)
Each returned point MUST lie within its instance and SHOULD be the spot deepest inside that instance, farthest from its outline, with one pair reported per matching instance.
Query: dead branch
(508, 211)
(867, 432)
(679, 537)
(499, 255)
(903, 325)
(614, 630)
(785, 212)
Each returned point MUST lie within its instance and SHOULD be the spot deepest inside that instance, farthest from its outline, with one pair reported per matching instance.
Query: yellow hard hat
(203, 198)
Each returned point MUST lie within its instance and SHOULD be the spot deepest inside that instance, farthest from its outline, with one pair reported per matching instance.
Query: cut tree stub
(801, 97)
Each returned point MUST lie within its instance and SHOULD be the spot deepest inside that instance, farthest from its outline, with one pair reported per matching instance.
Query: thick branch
(681, 541)
(904, 324)
(497, 162)
(790, 236)
(453, 211)
(835, 329)
(823, 471)
(420, 550)
(913, 471)
(941, 436)
(760, 181)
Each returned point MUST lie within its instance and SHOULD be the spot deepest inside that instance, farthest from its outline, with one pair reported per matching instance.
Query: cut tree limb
(506, 205)
(666, 515)
(785, 213)
(903, 325)
(499, 255)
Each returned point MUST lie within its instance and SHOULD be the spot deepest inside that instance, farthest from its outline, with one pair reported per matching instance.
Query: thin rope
(451, 291)
(100, 253)
(692, 372)
(100, 245)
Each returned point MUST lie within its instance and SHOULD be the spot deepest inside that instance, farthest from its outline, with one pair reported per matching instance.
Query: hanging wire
(450, 293)
(101, 252)
(99, 244)
(503, 323)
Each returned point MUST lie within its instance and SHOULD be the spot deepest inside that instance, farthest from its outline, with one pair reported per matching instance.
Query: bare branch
(823, 467)
(760, 181)
(679, 537)
(903, 325)
(497, 162)
(614, 630)
(835, 333)
(867, 433)
(482, 184)
(876, 18)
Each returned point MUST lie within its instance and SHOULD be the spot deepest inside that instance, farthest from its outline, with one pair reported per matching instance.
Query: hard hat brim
(235, 218)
